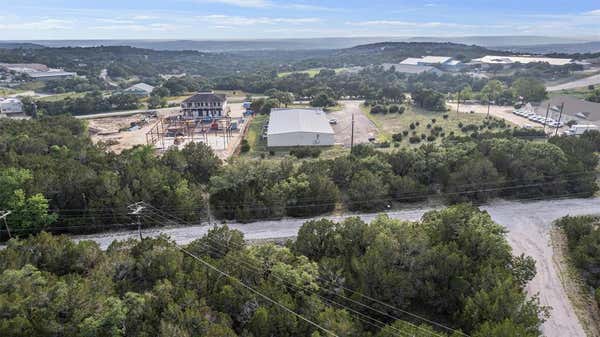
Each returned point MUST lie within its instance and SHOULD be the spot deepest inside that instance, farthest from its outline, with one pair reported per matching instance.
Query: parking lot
(363, 127)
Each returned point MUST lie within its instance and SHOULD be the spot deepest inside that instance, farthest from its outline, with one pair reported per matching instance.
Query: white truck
(577, 130)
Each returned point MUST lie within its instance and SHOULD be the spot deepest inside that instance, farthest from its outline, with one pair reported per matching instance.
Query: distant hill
(563, 48)
(21, 45)
(306, 44)
(501, 41)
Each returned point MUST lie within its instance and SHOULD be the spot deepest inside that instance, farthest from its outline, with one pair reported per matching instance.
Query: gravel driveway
(363, 127)
(528, 225)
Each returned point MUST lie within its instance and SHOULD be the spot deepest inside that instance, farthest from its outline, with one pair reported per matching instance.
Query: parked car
(333, 121)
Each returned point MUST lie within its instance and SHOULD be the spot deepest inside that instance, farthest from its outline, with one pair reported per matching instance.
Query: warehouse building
(299, 127)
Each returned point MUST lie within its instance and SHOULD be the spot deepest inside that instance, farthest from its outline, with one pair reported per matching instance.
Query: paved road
(528, 225)
(584, 82)
(363, 127)
(162, 111)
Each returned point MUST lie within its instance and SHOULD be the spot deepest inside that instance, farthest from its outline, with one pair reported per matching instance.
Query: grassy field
(578, 92)
(58, 97)
(311, 72)
(391, 123)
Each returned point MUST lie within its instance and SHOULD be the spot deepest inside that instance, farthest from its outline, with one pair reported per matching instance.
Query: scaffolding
(178, 130)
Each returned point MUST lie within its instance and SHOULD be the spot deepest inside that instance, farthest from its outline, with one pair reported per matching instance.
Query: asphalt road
(528, 225)
(584, 82)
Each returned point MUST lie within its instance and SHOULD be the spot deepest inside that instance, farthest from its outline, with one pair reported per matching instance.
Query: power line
(154, 210)
(255, 268)
(238, 281)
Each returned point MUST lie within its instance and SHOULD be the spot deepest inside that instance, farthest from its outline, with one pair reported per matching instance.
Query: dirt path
(529, 226)
(363, 127)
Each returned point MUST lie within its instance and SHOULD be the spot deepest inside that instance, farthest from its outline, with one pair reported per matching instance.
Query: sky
(266, 19)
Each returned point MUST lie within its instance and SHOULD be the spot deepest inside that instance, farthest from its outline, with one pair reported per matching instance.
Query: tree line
(51, 164)
(453, 269)
(583, 242)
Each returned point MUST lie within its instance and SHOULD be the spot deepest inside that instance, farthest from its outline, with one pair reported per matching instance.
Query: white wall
(11, 106)
(300, 139)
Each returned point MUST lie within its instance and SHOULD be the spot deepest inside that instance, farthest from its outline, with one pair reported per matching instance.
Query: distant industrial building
(140, 89)
(442, 62)
(204, 104)
(36, 71)
(299, 127)
(10, 106)
(508, 60)
(410, 68)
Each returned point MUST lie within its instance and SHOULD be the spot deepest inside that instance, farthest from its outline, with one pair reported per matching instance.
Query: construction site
(174, 128)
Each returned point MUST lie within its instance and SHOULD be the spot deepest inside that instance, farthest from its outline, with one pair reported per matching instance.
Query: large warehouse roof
(298, 120)
(490, 59)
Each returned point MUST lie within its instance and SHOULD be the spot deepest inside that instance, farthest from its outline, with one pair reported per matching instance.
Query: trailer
(577, 130)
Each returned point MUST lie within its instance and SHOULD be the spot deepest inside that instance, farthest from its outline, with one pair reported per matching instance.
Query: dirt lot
(504, 112)
(363, 127)
(107, 129)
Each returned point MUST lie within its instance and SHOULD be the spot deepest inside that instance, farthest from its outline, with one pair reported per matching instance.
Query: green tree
(367, 192)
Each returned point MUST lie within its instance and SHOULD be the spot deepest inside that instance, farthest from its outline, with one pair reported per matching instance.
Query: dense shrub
(306, 152)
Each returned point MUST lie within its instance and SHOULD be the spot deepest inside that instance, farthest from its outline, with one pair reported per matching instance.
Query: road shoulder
(582, 301)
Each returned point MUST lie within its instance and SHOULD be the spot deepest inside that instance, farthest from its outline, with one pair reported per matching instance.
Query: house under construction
(204, 115)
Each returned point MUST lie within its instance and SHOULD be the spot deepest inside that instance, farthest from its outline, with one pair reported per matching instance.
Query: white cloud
(144, 17)
(229, 20)
(243, 3)
(45, 24)
(154, 27)
(594, 12)
(115, 21)
(399, 23)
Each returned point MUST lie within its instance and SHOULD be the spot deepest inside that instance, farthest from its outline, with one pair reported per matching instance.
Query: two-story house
(204, 104)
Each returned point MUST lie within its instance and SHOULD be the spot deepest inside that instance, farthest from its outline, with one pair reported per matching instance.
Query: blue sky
(252, 19)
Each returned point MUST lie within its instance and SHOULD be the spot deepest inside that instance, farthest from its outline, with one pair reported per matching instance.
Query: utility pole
(3, 215)
(562, 106)
(352, 134)
(457, 104)
(546, 120)
(136, 209)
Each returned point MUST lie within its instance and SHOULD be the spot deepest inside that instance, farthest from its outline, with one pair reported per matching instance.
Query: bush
(245, 146)
(271, 153)
(397, 137)
(417, 123)
(598, 296)
(431, 138)
(423, 136)
(405, 132)
(306, 152)
(460, 124)
(445, 116)
(378, 109)
(401, 109)
(394, 108)
(412, 126)
(414, 140)
(433, 120)
(429, 126)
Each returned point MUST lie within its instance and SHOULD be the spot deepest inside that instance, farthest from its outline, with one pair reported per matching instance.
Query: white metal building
(299, 127)
(10, 106)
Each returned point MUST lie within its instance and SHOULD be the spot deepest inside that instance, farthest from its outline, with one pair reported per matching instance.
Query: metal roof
(141, 86)
(523, 59)
(427, 60)
(409, 68)
(206, 97)
(298, 120)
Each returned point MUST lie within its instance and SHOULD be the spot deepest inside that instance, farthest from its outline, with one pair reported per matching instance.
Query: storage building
(299, 127)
